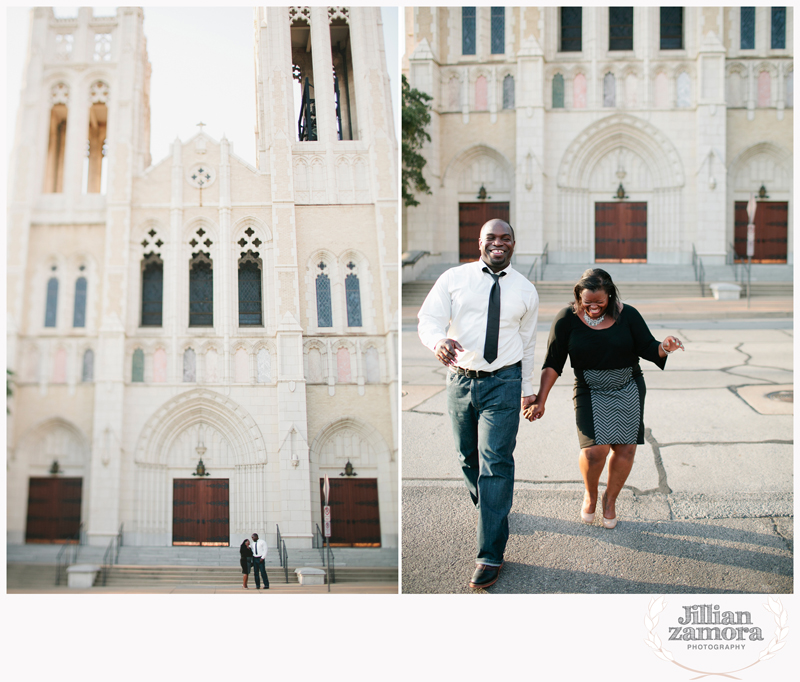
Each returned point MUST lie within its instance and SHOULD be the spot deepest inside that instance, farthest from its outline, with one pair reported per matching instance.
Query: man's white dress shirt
(260, 549)
(457, 308)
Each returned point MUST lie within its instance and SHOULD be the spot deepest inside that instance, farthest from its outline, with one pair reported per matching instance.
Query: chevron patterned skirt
(609, 406)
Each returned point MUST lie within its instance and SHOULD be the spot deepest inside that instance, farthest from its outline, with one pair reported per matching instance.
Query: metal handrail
(108, 560)
(319, 540)
(284, 556)
(699, 270)
(119, 543)
(68, 554)
(331, 567)
(541, 261)
(278, 529)
(532, 271)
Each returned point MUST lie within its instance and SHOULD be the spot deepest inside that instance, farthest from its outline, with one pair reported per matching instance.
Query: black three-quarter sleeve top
(620, 345)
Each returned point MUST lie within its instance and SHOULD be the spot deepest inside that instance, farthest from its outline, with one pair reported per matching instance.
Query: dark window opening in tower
(95, 165)
(152, 290)
(303, 74)
(201, 291)
(343, 81)
(250, 290)
(54, 175)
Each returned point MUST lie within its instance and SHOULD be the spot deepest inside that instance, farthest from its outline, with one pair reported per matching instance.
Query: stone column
(527, 210)
(711, 130)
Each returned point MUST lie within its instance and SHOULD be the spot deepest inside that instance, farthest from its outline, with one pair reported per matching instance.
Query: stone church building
(623, 134)
(196, 342)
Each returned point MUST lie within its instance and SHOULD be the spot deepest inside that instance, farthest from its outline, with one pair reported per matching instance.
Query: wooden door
(772, 230)
(355, 517)
(200, 512)
(471, 218)
(620, 232)
(54, 509)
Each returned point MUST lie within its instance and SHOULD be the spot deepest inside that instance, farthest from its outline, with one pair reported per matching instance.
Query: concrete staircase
(34, 566)
(636, 281)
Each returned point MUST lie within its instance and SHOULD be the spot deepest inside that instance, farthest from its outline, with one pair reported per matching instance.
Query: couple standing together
(480, 321)
(255, 556)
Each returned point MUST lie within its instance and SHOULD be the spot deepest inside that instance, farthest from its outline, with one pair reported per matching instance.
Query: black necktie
(492, 319)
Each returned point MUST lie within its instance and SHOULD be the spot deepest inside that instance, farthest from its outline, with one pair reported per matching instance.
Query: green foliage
(416, 116)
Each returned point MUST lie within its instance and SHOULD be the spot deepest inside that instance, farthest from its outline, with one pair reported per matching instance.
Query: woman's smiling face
(594, 302)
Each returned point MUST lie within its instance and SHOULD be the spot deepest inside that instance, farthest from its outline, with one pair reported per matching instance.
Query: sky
(202, 61)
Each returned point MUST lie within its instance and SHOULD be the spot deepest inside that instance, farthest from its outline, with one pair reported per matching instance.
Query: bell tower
(82, 134)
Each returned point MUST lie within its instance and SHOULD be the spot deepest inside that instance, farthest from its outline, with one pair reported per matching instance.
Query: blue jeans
(485, 418)
(259, 565)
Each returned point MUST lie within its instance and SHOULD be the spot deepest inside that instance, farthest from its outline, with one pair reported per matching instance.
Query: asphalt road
(707, 507)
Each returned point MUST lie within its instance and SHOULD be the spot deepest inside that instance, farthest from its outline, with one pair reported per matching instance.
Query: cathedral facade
(196, 343)
(631, 134)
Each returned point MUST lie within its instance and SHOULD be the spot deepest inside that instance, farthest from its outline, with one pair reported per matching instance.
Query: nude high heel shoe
(608, 523)
(586, 518)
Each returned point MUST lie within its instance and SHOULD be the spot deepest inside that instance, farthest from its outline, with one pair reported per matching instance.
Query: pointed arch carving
(349, 426)
(201, 406)
(475, 154)
(613, 132)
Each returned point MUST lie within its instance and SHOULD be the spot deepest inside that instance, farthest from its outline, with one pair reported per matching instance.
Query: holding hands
(533, 409)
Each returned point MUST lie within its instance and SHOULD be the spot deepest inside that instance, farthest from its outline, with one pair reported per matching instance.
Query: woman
(604, 340)
(246, 561)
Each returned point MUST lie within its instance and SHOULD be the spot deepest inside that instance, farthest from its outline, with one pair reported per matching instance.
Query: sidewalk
(275, 589)
(708, 506)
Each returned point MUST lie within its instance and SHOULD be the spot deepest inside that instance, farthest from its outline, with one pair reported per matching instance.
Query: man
(259, 559)
(480, 321)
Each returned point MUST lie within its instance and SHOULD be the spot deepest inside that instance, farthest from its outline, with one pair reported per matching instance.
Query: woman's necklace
(590, 321)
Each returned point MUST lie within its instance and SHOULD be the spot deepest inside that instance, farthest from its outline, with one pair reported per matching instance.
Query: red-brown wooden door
(772, 230)
(355, 517)
(471, 218)
(200, 512)
(620, 232)
(54, 509)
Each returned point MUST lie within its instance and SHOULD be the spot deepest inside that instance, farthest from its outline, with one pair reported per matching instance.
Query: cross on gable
(200, 125)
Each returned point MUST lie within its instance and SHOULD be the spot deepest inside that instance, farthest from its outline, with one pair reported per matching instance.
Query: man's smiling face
(496, 244)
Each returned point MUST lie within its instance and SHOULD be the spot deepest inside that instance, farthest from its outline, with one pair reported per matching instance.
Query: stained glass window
(152, 291)
(324, 313)
(620, 28)
(558, 91)
(467, 30)
(249, 293)
(747, 28)
(79, 315)
(778, 28)
(88, 366)
(137, 369)
(571, 29)
(508, 92)
(353, 295)
(201, 292)
(52, 303)
(498, 30)
(672, 28)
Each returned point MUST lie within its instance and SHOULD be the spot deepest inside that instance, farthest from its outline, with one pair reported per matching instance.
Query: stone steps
(40, 576)
(414, 293)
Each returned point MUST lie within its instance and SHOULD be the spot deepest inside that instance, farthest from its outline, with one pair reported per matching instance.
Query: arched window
(684, 90)
(241, 370)
(558, 91)
(189, 365)
(609, 90)
(371, 361)
(152, 290)
(263, 362)
(508, 92)
(137, 368)
(343, 375)
(79, 314)
(54, 175)
(52, 303)
(481, 94)
(160, 365)
(96, 164)
(87, 375)
(747, 28)
(250, 290)
(60, 367)
(764, 89)
(498, 15)
(353, 295)
(324, 310)
(201, 291)
(579, 91)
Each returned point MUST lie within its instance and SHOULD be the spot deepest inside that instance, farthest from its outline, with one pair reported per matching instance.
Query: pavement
(708, 507)
(275, 589)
